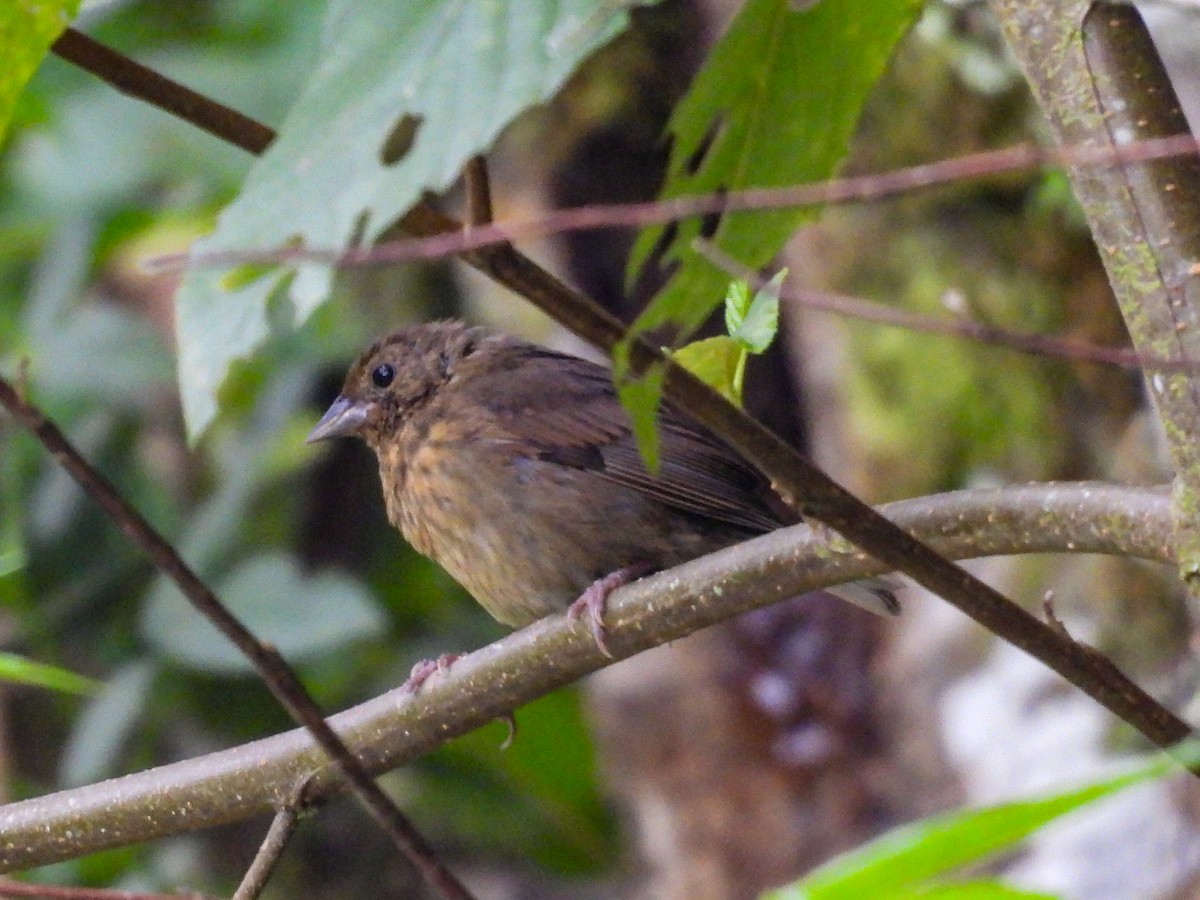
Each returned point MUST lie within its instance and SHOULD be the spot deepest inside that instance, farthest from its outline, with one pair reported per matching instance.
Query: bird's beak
(343, 418)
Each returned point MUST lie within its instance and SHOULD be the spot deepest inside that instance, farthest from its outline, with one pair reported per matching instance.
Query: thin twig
(280, 678)
(283, 826)
(138, 81)
(222, 121)
(967, 329)
(660, 212)
(23, 889)
(479, 192)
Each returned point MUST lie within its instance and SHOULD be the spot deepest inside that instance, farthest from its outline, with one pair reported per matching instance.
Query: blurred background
(715, 767)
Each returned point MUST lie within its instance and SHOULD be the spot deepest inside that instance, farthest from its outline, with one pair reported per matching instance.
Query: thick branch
(397, 727)
(1097, 77)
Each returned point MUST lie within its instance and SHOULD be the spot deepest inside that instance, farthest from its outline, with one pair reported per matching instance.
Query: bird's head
(396, 375)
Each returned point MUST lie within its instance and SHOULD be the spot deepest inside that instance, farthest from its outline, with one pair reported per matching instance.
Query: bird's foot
(591, 602)
(423, 670)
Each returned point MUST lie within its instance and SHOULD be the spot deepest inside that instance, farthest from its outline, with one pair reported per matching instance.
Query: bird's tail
(875, 595)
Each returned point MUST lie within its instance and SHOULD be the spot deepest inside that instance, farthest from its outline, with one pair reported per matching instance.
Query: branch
(143, 83)
(398, 727)
(12, 890)
(283, 826)
(981, 332)
(1098, 79)
(661, 212)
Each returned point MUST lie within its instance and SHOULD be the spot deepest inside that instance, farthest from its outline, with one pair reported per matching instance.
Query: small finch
(514, 467)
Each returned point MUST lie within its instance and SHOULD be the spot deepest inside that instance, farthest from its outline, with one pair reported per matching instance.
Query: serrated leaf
(432, 82)
(27, 29)
(737, 304)
(903, 861)
(760, 323)
(303, 615)
(22, 670)
(775, 104)
(717, 361)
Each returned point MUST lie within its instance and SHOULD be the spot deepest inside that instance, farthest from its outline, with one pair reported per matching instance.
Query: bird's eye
(383, 375)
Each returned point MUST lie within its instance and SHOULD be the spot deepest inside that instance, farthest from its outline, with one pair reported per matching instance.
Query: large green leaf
(903, 862)
(775, 105)
(403, 95)
(27, 29)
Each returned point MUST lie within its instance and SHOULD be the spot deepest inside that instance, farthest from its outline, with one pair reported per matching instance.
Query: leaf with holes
(402, 96)
(775, 105)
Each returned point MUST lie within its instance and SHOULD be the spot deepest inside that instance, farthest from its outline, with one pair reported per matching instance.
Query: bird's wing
(574, 419)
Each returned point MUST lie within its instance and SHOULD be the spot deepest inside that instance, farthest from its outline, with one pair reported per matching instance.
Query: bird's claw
(591, 604)
(424, 669)
(592, 601)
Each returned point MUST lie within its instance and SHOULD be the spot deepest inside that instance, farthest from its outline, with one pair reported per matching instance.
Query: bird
(516, 469)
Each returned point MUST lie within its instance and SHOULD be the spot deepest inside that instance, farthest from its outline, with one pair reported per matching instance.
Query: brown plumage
(514, 467)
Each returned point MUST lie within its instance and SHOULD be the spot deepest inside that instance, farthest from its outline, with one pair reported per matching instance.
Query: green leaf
(21, 670)
(718, 362)
(973, 890)
(640, 397)
(27, 29)
(901, 862)
(760, 322)
(737, 304)
(402, 96)
(775, 105)
(12, 559)
(303, 615)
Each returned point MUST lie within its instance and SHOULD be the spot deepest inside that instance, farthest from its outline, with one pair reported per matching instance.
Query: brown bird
(514, 467)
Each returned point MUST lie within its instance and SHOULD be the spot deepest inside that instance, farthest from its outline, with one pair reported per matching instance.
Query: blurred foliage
(294, 538)
(928, 412)
(19, 670)
(26, 30)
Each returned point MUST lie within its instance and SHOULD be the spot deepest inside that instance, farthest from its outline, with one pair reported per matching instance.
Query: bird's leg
(425, 668)
(592, 600)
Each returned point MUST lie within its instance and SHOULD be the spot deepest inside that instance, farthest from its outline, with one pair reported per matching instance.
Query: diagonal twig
(283, 826)
(968, 329)
(280, 678)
